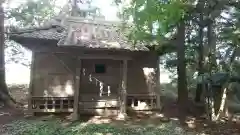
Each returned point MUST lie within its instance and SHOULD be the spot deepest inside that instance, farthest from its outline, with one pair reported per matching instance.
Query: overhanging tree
(162, 22)
(155, 20)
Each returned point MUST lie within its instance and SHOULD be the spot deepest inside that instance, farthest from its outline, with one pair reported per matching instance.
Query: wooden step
(99, 104)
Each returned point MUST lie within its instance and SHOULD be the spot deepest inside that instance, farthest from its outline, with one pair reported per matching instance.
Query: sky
(19, 74)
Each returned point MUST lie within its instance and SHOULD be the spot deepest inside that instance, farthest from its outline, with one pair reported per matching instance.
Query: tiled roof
(51, 30)
(48, 34)
(58, 32)
(107, 45)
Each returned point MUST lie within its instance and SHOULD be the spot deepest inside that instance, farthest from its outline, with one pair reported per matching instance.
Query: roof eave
(28, 42)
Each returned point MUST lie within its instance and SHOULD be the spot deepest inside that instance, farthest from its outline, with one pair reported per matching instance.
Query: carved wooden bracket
(89, 31)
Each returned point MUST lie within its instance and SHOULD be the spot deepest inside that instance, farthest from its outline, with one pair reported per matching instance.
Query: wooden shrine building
(87, 66)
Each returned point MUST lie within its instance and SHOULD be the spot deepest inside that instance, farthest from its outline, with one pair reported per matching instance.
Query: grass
(56, 127)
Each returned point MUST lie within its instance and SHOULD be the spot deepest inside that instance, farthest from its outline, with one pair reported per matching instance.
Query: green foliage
(55, 128)
(230, 30)
(32, 13)
(153, 19)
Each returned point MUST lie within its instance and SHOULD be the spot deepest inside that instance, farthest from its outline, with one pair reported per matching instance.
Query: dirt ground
(9, 114)
(193, 121)
(19, 93)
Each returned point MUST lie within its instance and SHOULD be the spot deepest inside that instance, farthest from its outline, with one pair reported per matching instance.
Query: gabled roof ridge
(57, 22)
(91, 21)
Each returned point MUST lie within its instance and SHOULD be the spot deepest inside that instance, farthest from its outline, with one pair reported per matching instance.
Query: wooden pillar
(31, 83)
(158, 83)
(76, 92)
(123, 91)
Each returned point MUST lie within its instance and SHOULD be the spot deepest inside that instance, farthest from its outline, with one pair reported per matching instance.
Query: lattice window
(52, 104)
(100, 68)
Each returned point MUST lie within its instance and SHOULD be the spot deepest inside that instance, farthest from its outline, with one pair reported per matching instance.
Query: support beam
(88, 56)
(63, 63)
(123, 92)
(77, 88)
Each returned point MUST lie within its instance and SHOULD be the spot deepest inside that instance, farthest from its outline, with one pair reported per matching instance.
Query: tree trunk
(74, 8)
(4, 94)
(218, 94)
(181, 68)
(218, 103)
(199, 88)
(212, 47)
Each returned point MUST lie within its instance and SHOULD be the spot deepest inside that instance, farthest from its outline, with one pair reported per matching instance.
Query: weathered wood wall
(142, 75)
(95, 82)
(51, 77)
(54, 75)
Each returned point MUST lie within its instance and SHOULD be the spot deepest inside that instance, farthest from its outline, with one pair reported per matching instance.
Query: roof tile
(113, 40)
